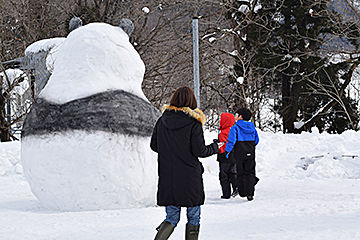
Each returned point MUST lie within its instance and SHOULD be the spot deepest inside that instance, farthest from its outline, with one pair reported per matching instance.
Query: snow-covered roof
(44, 45)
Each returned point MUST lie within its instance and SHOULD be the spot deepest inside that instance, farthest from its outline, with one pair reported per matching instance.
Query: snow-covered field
(309, 189)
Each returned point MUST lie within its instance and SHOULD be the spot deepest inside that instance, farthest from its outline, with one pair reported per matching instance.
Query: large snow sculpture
(85, 142)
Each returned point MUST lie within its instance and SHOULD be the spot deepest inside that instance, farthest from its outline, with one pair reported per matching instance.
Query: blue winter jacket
(242, 131)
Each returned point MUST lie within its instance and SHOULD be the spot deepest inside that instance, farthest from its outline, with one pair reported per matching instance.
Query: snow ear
(126, 25)
(75, 23)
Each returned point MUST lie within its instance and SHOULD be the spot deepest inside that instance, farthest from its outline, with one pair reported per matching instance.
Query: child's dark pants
(227, 176)
(246, 177)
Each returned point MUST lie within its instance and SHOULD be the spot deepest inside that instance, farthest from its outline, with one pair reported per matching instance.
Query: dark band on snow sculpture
(112, 111)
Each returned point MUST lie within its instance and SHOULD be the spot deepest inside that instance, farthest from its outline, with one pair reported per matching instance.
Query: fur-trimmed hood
(172, 122)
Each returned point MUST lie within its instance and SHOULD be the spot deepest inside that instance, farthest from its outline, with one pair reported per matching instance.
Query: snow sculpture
(85, 142)
(75, 23)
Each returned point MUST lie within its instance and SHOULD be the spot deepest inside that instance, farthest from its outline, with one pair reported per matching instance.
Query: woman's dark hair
(245, 113)
(184, 97)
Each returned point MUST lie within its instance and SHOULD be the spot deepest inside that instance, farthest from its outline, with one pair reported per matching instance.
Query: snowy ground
(321, 202)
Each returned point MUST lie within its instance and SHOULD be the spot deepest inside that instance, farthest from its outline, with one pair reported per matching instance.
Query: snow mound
(309, 155)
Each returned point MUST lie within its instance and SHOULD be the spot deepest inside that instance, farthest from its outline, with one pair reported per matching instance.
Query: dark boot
(235, 192)
(192, 232)
(165, 229)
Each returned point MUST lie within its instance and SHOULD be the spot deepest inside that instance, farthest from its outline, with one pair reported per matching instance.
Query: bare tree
(14, 102)
(283, 51)
(163, 38)
(342, 47)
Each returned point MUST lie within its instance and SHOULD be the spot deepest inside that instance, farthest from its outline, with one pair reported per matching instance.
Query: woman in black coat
(178, 139)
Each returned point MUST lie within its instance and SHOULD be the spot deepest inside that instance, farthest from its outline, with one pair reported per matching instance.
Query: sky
(309, 184)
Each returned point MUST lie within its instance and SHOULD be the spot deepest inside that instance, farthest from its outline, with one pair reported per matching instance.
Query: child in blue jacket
(242, 139)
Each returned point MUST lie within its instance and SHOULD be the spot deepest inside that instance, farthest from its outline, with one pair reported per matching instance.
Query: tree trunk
(4, 131)
(290, 98)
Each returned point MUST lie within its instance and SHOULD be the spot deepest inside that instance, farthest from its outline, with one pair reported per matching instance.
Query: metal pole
(196, 59)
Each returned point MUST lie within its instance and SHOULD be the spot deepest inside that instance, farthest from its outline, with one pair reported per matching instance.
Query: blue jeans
(173, 215)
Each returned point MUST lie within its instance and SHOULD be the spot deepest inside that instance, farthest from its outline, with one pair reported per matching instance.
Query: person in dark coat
(242, 139)
(178, 139)
(227, 166)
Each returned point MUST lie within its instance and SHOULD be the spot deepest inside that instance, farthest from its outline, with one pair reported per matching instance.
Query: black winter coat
(178, 139)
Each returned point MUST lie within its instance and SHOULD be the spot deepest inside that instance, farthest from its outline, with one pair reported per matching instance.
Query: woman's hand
(220, 144)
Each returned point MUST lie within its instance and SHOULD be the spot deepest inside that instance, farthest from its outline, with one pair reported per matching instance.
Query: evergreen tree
(292, 59)
(250, 30)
